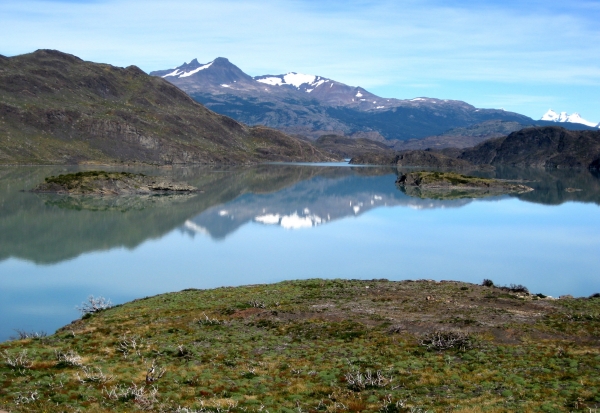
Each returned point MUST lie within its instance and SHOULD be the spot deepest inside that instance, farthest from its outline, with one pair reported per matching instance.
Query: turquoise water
(275, 222)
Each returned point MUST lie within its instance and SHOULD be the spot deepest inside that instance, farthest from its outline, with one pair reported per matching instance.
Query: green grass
(315, 345)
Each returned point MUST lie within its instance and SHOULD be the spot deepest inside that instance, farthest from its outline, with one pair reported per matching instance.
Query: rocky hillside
(550, 147)
(58, 109)
(547, 147)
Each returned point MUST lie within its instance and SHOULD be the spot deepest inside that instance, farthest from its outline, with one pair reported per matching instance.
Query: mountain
(563, 117)
(549, 147)
(57, 109)
(464, 137)
(313, 106)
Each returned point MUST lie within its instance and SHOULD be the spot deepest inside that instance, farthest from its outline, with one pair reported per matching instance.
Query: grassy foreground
(316, 345)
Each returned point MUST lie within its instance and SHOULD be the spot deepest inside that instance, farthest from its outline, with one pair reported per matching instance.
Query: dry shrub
(445, 340)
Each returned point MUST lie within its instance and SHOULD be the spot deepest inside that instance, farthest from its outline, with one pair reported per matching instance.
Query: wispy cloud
(367, 43)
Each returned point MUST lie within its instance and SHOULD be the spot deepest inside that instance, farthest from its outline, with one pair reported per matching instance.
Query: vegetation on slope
(316, 345)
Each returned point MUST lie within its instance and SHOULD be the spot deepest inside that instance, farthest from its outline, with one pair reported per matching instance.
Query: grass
(316, 345)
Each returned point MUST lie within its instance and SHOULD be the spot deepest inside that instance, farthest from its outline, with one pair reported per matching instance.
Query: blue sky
(522, 56)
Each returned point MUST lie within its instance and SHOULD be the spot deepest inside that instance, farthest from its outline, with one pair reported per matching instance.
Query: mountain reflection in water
(53, 228)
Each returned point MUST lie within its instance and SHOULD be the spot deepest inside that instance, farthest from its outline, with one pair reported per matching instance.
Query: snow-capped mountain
(563, 117)
(313, 105)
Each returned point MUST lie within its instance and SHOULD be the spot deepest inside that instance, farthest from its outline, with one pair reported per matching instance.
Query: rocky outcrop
(111, 183)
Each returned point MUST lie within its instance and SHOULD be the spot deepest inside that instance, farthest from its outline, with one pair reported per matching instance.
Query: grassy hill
(316, 346)
(58, 109)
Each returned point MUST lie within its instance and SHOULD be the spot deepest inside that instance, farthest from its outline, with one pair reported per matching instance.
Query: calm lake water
(275, 222)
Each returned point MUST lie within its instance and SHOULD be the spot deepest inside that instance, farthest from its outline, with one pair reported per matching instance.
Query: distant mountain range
(564, 117)
(313, 106)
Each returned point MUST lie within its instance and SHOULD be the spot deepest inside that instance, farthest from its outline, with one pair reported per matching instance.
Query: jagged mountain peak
(220, 71)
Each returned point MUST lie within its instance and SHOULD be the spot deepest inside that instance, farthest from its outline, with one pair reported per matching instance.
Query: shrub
(444, 340)
(94, 305)
(487, 282)
(518, 288)
(22, 335)
(18, 361)
(358, 381)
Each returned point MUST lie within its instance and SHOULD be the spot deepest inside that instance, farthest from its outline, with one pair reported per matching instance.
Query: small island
(110, 183)
(450, 185)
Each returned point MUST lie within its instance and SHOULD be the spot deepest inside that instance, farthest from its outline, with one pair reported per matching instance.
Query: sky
(523, 56)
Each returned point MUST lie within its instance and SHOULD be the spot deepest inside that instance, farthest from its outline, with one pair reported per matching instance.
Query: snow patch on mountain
(186, 74)
(173, 73)
(297, 80)
(180, 73)
(273, 81)
(552, 116)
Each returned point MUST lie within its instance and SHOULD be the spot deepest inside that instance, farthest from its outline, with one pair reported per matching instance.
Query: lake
(269, 223)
